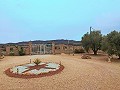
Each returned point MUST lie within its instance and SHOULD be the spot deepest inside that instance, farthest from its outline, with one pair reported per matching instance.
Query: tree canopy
(92, 41)
(111, 43)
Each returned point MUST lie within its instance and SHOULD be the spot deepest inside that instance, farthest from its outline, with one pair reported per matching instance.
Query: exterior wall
(53, 48)
(15, 50)
(67, 49)
(78, 47)
(0, 52)
(29, 49)
(7, 50)
(41, 49)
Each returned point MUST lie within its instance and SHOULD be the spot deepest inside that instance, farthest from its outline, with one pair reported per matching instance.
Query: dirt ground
(78, 74)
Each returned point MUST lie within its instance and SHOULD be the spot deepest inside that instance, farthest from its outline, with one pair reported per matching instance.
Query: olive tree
(111, 43)
(92, 41)
(86, 41)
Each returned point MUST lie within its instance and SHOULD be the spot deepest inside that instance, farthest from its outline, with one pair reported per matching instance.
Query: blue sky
(22, 20)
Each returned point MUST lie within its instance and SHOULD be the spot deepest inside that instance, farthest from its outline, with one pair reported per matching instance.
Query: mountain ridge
(57, 41)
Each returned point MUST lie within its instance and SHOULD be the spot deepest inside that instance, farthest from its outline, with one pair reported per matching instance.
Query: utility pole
(90, 29)
(90, 34)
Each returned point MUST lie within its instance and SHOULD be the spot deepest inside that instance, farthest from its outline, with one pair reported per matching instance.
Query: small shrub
(37, 61)
(1, 57)
(21, 52)
(12, 54)
(77, 51)
(86, 57)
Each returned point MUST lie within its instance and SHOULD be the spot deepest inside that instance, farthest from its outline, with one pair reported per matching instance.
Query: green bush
(21, 52)
(77, 51)
(11, 54)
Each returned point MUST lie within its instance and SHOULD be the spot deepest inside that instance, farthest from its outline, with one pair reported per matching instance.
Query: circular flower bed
(33, 71)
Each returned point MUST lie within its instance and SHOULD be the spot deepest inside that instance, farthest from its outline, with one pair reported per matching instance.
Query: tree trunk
(95, 52)
(119, 56)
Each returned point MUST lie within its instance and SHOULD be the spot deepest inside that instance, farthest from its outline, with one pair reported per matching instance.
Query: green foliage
(21, 51)
(111, 43)
(4, 50)
(86, 41)
(92, 41)
(12, 54)
(104, 43)
(37, 61)
(11, 50)
(77, 51)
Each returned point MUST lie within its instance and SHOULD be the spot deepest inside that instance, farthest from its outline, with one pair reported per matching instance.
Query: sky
(24, 20)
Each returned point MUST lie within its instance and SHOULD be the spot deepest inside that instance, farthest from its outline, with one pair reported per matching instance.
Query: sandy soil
(78, 74)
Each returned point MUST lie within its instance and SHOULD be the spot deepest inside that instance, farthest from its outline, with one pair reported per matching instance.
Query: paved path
(78, 75)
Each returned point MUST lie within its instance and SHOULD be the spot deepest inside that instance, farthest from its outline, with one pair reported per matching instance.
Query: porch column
(44, 49)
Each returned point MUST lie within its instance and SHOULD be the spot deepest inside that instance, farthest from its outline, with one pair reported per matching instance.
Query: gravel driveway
(78, 74)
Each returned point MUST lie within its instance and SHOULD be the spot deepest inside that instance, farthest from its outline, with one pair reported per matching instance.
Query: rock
(63, 54)
(86, 57)
(1, 57)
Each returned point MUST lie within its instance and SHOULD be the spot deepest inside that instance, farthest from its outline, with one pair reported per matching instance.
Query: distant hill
(59, 41)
